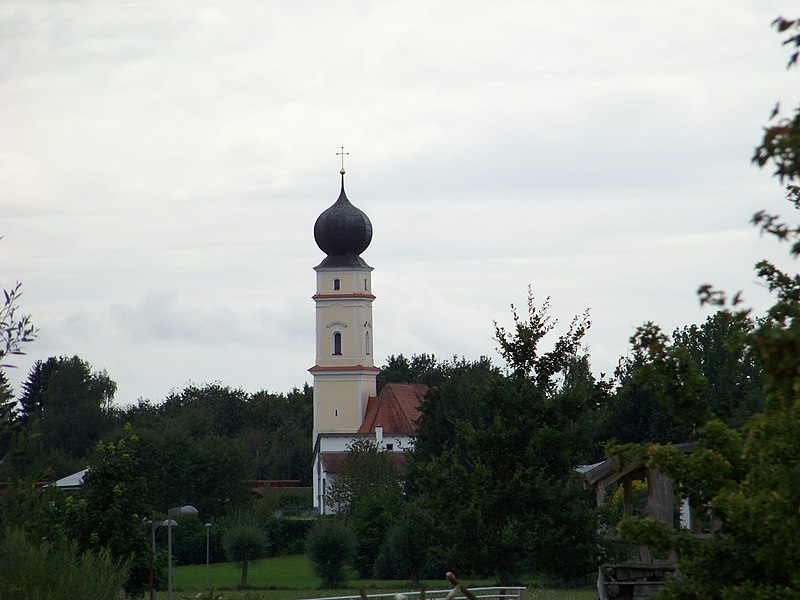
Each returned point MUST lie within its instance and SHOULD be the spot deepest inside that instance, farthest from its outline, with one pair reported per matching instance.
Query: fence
(482, 593)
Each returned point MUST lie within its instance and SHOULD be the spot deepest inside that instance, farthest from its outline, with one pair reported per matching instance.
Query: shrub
(57, 571)
(288, 534)
(244, 541)
(331, 546)
(403, 554)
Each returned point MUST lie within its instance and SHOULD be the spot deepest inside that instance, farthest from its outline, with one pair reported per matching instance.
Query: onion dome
(343, 232)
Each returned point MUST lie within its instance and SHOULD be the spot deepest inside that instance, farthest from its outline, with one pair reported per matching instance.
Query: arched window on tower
(367, 343)
(366, 288)
(337, 343)
(336, 284)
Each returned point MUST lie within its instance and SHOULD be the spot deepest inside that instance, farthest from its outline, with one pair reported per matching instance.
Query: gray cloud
(162, 165)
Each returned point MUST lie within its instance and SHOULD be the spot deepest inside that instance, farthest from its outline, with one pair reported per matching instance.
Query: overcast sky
(162, 164)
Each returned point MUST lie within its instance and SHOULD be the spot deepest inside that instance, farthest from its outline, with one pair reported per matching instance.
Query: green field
(291, 578)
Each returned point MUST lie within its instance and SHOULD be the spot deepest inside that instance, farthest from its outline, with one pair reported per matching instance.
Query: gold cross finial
(342, 154)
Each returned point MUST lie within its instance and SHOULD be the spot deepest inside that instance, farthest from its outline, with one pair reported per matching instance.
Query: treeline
(65, 408)
(490, 488)
(201, 446)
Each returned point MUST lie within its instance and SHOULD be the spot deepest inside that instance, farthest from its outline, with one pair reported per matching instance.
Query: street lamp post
(174, 512)
(208, 551)
(153, 527)
(152, 553)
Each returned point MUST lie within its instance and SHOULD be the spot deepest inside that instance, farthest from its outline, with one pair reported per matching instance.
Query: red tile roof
(332, 461)
(396, 409)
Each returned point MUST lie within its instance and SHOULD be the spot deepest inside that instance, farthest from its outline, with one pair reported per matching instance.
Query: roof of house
(608, 471)
(73, 481)
(332, 461)
(395, 408)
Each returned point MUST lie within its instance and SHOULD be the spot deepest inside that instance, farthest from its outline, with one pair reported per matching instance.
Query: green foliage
(189, 540)
(9, 425)
(288, 534)
(57, 570)
(520, 347)
(331, 547)
(403, 554)
(367, 469)
(268, 433)
(37, 512)
(108, 510)
(206, 410)
(209, 473)
(494, 454)
(730, 365)
(370, 515)
(748, 478)
(421, 368)
(668, 387)
(244, 540)
(279, 430)
(15, 329)
(71, 403)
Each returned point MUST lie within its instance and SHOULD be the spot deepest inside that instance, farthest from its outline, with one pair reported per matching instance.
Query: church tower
(344, 373)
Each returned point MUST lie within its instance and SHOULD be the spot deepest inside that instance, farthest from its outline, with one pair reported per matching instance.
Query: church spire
(343, 231)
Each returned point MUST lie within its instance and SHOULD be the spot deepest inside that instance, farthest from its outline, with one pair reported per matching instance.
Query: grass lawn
(291, 578)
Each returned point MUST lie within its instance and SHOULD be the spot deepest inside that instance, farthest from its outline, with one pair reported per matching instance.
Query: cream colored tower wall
(357, 281)
(352, 321)
(340, 400)
(344, 373)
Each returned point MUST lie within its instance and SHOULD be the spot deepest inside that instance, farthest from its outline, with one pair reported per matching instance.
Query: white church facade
(346, 403)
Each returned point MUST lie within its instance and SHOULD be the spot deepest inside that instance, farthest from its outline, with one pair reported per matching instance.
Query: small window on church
(389, 447)
(367, 344)
(335, 412)
(336, 284)
(365, 285)
(337, 343)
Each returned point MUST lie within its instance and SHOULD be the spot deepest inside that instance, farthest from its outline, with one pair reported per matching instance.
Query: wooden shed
(642, 576)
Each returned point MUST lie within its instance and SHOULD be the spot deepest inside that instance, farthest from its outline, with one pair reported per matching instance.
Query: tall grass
(56, 571)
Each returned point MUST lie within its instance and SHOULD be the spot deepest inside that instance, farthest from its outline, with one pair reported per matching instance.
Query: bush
(288, 534)
(330, 546)
(244, 541)
(57, 571)
(402, 555)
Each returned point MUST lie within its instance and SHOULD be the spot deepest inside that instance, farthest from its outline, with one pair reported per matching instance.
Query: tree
(330, 546)
(403, 554)
(210, 409)
(725, 372)
(367, 490)
(367, 469)
(15, 329)
(110, 507)
(495, 451)
(244, 540)
(746, 477)
(71, 402)
(730, 365)
(422, 368)
(279, 429)
(8, 422)
(209, 473)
